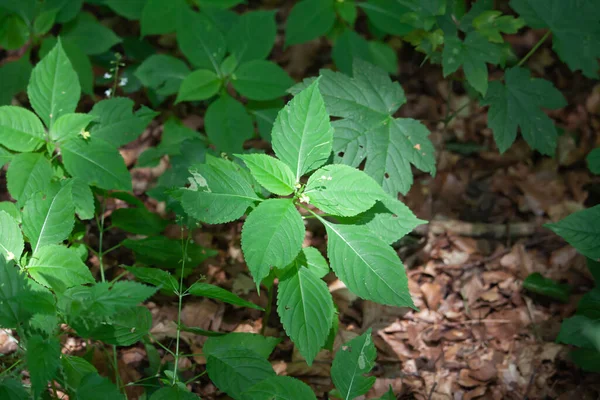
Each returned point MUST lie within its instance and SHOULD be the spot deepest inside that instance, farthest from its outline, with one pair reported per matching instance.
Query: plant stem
(11, 367)
(534, 48)
(101, 239)
(267, 315)
(184, 247)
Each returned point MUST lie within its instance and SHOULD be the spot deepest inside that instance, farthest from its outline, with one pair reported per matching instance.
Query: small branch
(534, 48)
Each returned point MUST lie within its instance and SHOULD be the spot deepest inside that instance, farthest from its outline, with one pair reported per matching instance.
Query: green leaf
(43, 359)
(253, 36)
(265, 114)
(74, 369)
(388, 16)
(159, 17)
(11, 389)
(536, 283)
(384, 56)
(125, 328)
(368, 266)
(201, 84)
(117, 123)
(491, 24)
(272, 236)
(587, 359)
(166, 253)
(308, 20)
(13, 289)
(589, 305)
(574, 26)
(217, 293)
(314, 261)
(302, 134)
(342, 190)
(581, 230)
(131, 9)
(48, 219)
(579, 331)
(83, 199)
(261, 345)
(5, 156)
(69, 126)
(272, 174)
(11, 209)
(27, 174)
(351, 362)
(15, 76)
(200, 41)
(261, 80)
(155, 277)
(200, 331)
(14, 31)
(173, 393)
(219, 193)
(54, 87)
(304, 305)
(58, 268)
(11, 239)
(389, 395)
(79, 60)
(228, 125)
(517, 103)
(20, 129)
(593, 161)
(89, 35)
(472, 54)
(95, 387)
(280, 388)
(138, 220)
(96, 163)
(162, 73)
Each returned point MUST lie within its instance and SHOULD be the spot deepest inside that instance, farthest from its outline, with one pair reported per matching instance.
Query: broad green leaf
(96, 387)
(228, 125)
(347, 11)
(69, 10)
(58, 268)
(96, 163)
(384, 57)
(159, 16)
(5, 156)
(580, 331)
(517, 103)
(138, 220)
(593, 161)
(388, 16)
(354, 359)
(348, 47)
(219, 3)
(74, 369)
(259, 344)
(253, 36)
(261, 80)
(48, 219)
(308, 20)
(14, 31)
(587, 359)
(156, 277)
(574, 26)
(272, 174)
(130, 9)
(200, 41)
(594, 267)
(214, 292)
(314, 261)
(174, 134)
(126, 327)
(342, 190)
(83, 199)
(166, 253)
(11, 209)
(265, 114)
(79, 60)
(302, 133)
(491, 24)
(15, 76)
(69, 126)
(173, 393)
(163, 73)
(472, 54)
(581, 230)
(280, 388)
(368, 266)
(89, 35)
(536, 283)
(201, 84)
(272, 237)
(12, 389)
(13, 289)
(589, 305)
(117, 123)
(27, 174)
(304, 305)
(43, 359)
(218, 193)
(54, 87)
(20, 129)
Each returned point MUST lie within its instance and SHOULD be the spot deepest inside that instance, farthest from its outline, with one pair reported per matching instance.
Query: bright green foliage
(228, 125)
(308, 20)
(304, 305)
(127, 326)
(272, 174)
(252, 37)
(217, 293)
(314, 261)
(200, 40)
(96, 387)
(162, 73)
(261, 345)
(74, 369)
(58, 268)
(272, 236)
(581, 230)
(12, 293)
(43, 359)
(11, 209)
(517, 103)
(351, 362)
(54, 87)
(20, 129)
(279, 387)
(79, 60)
(89, 35)
(492, 24)
(138, 220)
(11, 239)
(83, 199)
(302, 134)
(27, 174)
(593, 161)
(201, 84)
(342, 190)
(69, 126)
(536, 283)
(574, 27)
(261, 80)
(155, 277)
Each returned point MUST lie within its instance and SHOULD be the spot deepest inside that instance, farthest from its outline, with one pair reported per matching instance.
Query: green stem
(101, 239)
(165, 348)
(180, 302)
(534, 48)
(195, 377)
(11, 367)
(267, 315)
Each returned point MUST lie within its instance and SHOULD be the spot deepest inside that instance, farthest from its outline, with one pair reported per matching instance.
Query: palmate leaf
(27, 174)
(302, 134)
(43, 359)
(218, 293)
(58, 268)
(351, 362)
(280, 388)
(20, 129)
(308, 20)
(272, 237)
(581, 230)
(272, 174)
(517, 103)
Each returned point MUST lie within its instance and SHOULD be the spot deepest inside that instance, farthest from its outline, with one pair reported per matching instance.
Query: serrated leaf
(126, 327)
(354, 359)
(83, 199)
(279, 388)
(342, 190)
(302, 134)
(261, 80)
(117, 123)
(173, 393)
(48, 219)
(43, 359)
(96, 387)
(593, 161)
(96, 163)
(165, 252)
(581, 230)
(491, 24)
(214, 292)
(69, 126)
(11, 209)
(79, 60)
(89, 35)
(219, 194)
(13, 289)
(162, 73)
(271, 237)
(54, 88)
(272, 174)
(58, 268)
(201, 41)
(27, 174)
(388, 16)
(228, 125)
(20, 129)
(368, 266)
(159, 17)
(261, 345)
(138, 220)
(536, 283)
(201, 84)
(11, 389)
(73, 370)
(315, 262)
(304, 305)
(156, 277)
(308, 20)
(253, 36)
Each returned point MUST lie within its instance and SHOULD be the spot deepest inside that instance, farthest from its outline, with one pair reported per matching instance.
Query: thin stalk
(116, 367)
(195, 377)
(101, 239)
(180, 301)
(267, 315)
(10, 368)
(534, 49)
(165, 348)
